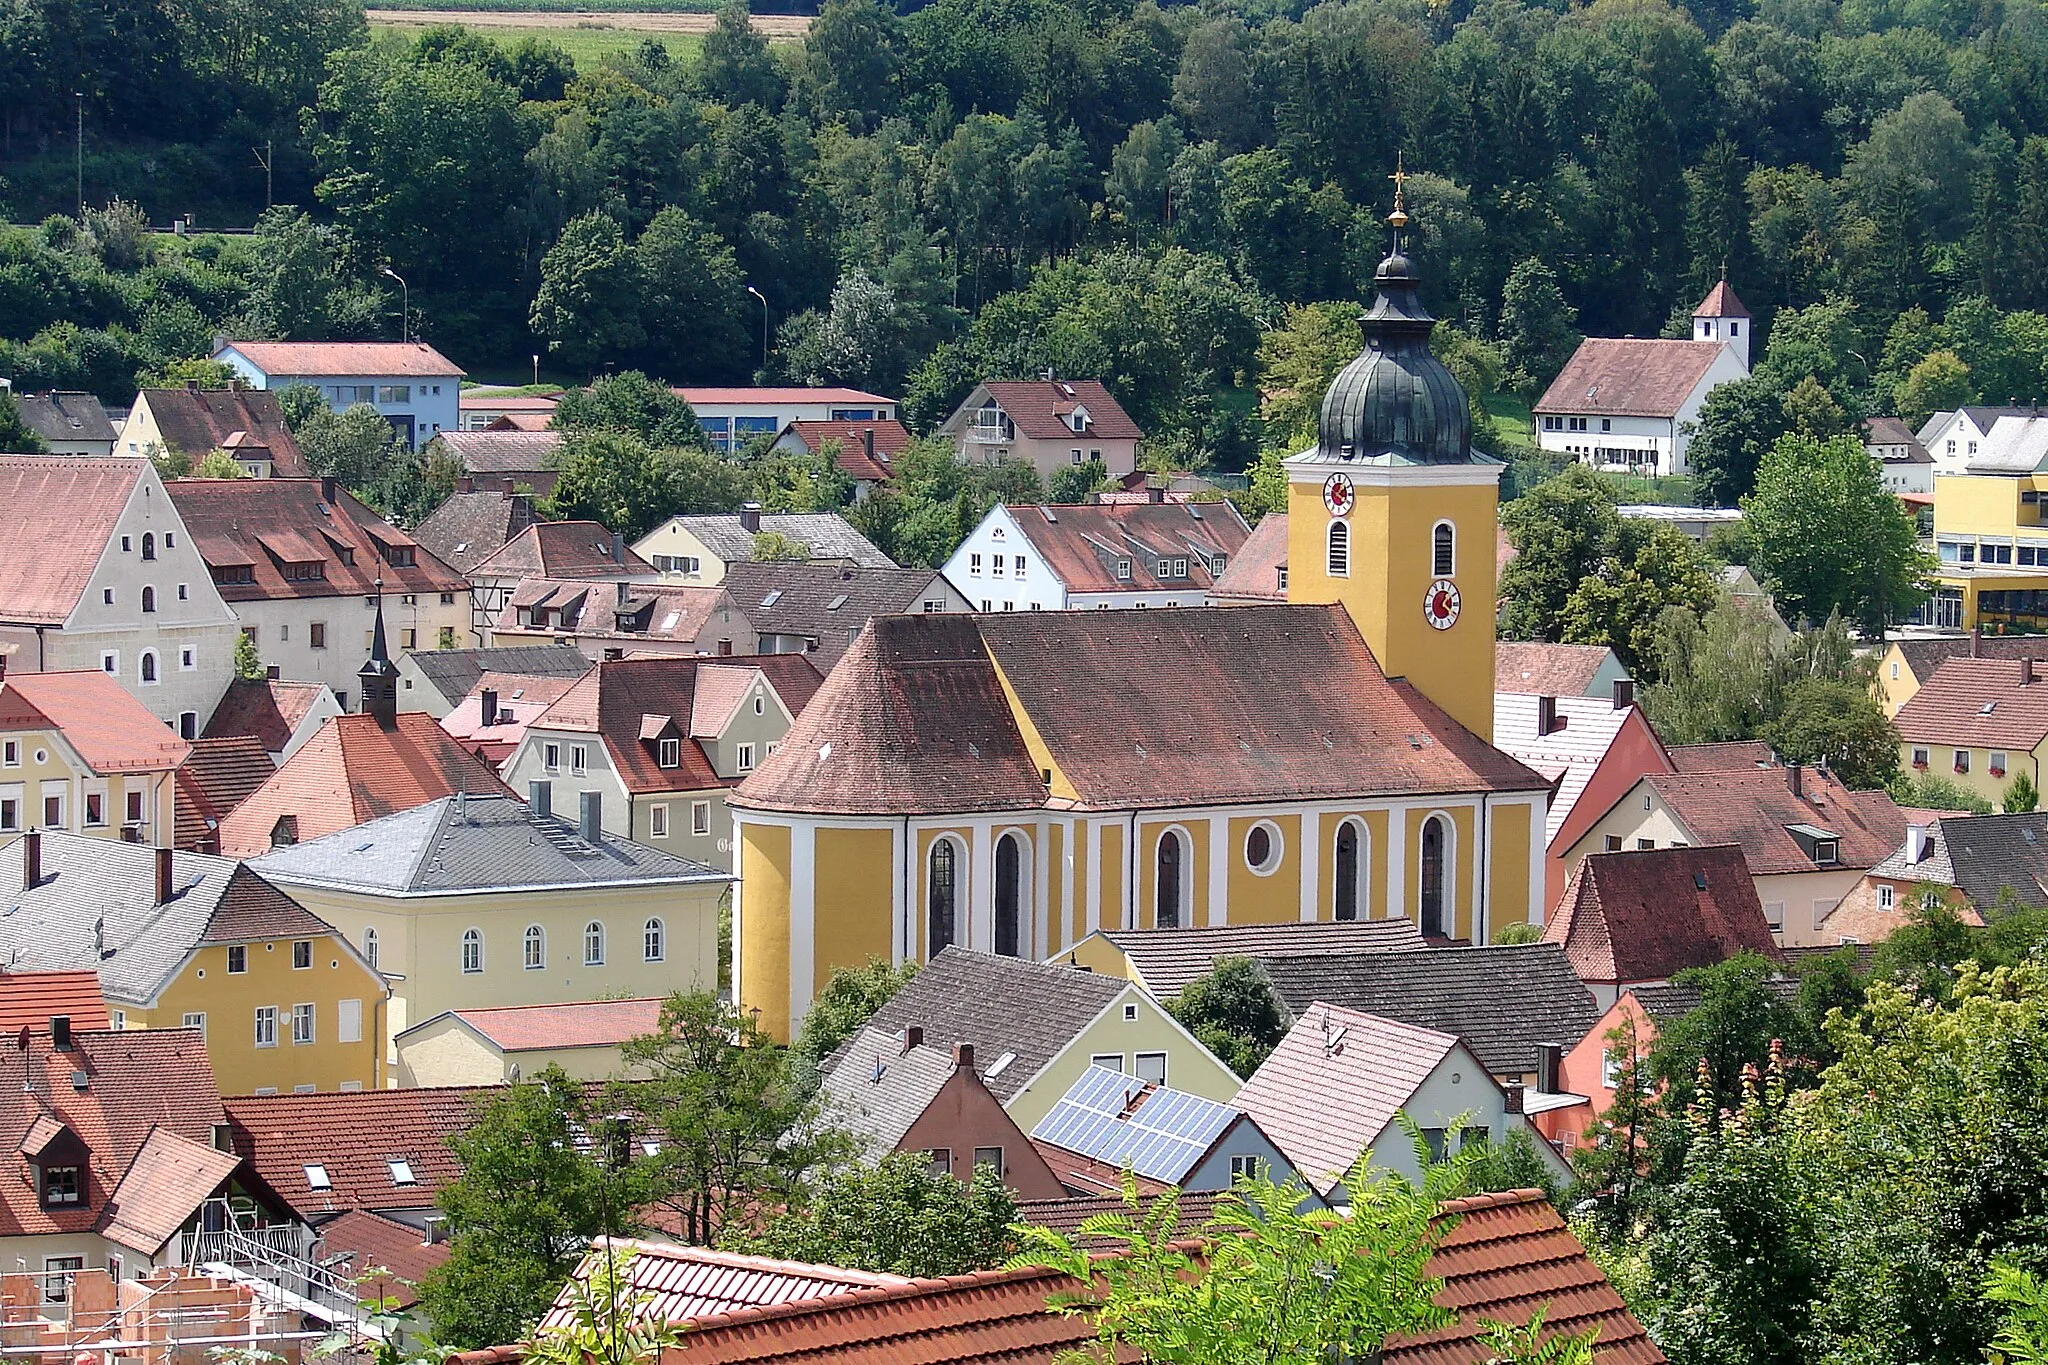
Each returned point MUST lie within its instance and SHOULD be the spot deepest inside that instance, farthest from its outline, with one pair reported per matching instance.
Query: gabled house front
(1059, 558)
(1049, 424)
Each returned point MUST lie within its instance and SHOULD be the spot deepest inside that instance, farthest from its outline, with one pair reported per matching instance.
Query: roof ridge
(1496, 1200)
(917, 1288)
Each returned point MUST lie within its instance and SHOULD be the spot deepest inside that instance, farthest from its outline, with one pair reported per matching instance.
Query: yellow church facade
(1013, 783)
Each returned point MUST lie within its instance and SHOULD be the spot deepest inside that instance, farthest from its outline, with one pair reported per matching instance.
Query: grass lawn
(587, 45)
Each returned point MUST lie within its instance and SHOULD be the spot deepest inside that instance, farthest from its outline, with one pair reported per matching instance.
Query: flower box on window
(1921, 764)
(1998, 772)
(1962, 767)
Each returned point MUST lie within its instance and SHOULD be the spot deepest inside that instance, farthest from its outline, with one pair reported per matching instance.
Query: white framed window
(1443, 550)
(700, 817)
(188, 659)
(348, 1021)
(302, 1024)
(671, 755)
(110, 661)
(744, 758)
(974, 565)
(576, 759)
(1263, 847)
(1243, 1168)
(370, 948)
(593, 944)
(536, 947)
(58, 1270)
(1887, 897)
(1150, 1067)
(1774, 914)
(195, 1019)
(1998, 757)
(551, 757)
(657, 821)
(1108, 1061)
(266, 1026)
(472, 951)
(1123, 570)
(653, 940)
(146, 669)
(1017, 563)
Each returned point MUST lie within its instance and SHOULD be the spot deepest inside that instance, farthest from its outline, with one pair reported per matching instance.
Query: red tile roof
(915, 719)
(29, 999)
(368, 1241)
(1546, 669)
(43, 588)
(563, 549)
(346, 359)
(1041, 409)
(1629, 377)
(251, 910)
(521, 698)
(890, 438)
(1648, 914)
(1716, 758)
(633, 704)
(163, 1188)
(1255, 572)
(219, 776)
(1084, 545)
(686, 1283)
(1979, 703)
(265, 524)
(1753, 807)
(1721, 302)
(196, 421)
(354, 770)
(1081, 1173)
(585, 1023)
(102, 720)
(266, 711)
(783, 396)
(590, 607)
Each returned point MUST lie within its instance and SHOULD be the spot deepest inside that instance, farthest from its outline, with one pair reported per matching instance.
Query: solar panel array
(1161, 1140)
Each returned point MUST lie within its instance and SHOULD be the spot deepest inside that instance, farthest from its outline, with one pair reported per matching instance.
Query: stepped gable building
(1324, 758)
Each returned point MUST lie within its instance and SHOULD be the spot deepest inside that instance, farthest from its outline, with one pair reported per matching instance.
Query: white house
(734, 417)
(1049, 424)
(1627, 404)
(1058, 558)
(1901, 458)
(1953, 439)
(410, 384)
(67, 423)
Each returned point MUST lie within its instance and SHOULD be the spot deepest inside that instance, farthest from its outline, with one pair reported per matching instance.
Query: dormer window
(1827, 852)
(1123, 569)
(671, 753)
(62, 1186)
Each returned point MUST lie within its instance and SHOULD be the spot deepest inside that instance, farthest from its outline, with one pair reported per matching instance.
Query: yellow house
(1906, 664)
(78, 752)
(474, 902)
(187, 940)
(1014, 783)
(496, 1046)
(1990, 538)
(1979, 722)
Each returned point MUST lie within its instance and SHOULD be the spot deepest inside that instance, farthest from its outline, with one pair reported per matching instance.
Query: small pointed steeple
(379, 675)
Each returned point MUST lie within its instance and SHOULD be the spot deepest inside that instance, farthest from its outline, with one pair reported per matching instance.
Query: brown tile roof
(564, 549)
(1067, 1215)
(29, 999)
(1509, 1255)
(468, 528)
(1721, 302)
(1077, 1172)
(890, 439)
(585, 1023)
(497, 400)
(914, 718)
(1084, 545)
(1041, 407)
(1753, 807)
(1924, 654)
(1546, 669)
(1890, 431)
(366, 1240)
(1629, 378)
(251, 910)
(196, 421)
(138, 1082)
(1979, 703)
(266, 711)
(1648, 914)
(367, 359)
(1717, 758)
(220, 775)
(162, 1189)
(504, 452)
(826, 601)
(354, 770)
(102, 720)
(1254, 572)
(267, 523)
(42, 588)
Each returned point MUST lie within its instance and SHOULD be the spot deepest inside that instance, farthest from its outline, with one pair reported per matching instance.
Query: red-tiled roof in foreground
(372, 1242)
(29, 999)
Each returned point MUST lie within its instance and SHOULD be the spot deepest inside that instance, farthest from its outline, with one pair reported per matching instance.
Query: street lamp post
(764, 325)
(404, 304)
(79, 96)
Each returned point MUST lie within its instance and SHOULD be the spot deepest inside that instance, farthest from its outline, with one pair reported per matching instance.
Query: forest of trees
(1111, 188)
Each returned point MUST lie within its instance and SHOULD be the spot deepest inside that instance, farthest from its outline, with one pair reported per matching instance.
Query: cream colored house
(498, 1046)
(473, 902)
(697, 549)
(1978, 722)
(78, 753)
(1049, 424)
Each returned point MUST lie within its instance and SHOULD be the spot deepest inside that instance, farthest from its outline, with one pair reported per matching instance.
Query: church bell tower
(1392, 513)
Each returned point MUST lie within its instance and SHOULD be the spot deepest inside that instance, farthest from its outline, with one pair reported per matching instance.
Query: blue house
(410, 384)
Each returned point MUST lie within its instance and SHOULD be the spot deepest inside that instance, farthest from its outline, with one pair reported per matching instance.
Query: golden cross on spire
(1399, 217)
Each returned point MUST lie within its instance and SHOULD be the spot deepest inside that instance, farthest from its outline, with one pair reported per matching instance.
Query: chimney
(2026, 672)
(913, 1036)
(1549, 1058)
(465, 483)
(1795, 779)
(1155, 493)
(618, 547)
(750, 517)
(163, 875)
(1624, 693)
(31, 860)
(591, 825)
(60, 1032)
(540, 796)
(867, 442)
(1546, 715)
(1976, 642)
(624, 592)
(522, 513)
(1919, 843)
(487, 708)
(1511, 1097)
(3, 667)
(191, 386)
(328, 486)
(963, 1056)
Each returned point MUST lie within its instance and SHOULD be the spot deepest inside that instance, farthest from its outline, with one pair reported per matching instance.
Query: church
(1014, 782)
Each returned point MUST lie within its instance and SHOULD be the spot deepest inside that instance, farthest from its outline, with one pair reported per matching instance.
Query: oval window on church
(1262, 848)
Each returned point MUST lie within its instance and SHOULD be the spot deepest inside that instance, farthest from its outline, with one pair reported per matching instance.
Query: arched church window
(1444, 550)
(941, 895)
(1433, 877)
(1340, 550)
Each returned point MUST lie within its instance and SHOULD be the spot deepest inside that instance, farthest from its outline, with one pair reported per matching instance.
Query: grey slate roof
(65, 417)
(473, 843)
(1668, 1000)
(453, 672)
(105, 889)
(468, 528)
(1166, 960)
(823, 601)
(999, 1004)
(829, 536)
(1503, 1000)
(1982, 856)
(877, 1090)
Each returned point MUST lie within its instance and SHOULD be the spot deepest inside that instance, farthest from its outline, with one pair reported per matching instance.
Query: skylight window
(1987, 708)
(836, 603)
(401, 1171)
(1002, 1064)
(316, 1178)
(772, 598)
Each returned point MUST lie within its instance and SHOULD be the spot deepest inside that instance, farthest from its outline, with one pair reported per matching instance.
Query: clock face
(1337, 494)
(1440, 604)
